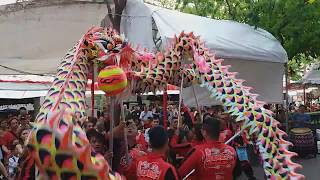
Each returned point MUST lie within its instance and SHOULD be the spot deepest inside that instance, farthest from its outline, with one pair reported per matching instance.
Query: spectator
(90, 123)
(10, 135)
(146, 116)
(156, 111)
(175, 123)
(24, 122)
(23, 136)
(98, 143)
(136, 114)
(155, 122)
(3, 129)
(172, 112)
(301, 119)
(3, 125)
(126, 110)
(13, 162)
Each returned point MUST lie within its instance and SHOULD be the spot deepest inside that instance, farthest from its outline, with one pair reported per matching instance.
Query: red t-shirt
(212, 160)
(181, 149)
(8, 139)
(141, 142)
(124, 165)
(152, 167)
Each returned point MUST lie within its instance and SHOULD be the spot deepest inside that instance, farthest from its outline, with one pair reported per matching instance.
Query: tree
(114, 16)
(295, 23)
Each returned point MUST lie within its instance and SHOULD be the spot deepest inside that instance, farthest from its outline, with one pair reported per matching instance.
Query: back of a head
(197, 131)
(212, 127)
(158, 137)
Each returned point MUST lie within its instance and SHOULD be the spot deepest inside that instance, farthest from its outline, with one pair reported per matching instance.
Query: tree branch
(115, 17)
(230, 10)
(119, 7)
(109, 14)
(109, 11)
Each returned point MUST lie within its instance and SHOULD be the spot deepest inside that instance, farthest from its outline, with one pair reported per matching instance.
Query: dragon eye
(104, 44)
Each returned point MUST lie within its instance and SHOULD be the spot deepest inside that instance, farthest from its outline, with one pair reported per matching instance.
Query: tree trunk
(115, 17)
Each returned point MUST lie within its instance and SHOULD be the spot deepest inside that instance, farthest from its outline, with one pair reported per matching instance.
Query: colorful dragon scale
(61, 148)
(241, 103)
(210, 73)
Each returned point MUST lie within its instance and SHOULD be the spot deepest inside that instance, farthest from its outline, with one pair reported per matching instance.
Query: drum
(303, 141)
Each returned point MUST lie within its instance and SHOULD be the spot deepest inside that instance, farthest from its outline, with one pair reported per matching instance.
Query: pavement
(311, 169)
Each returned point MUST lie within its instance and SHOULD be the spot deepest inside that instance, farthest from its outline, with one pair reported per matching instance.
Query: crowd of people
(14, 131)
(175, 147)
(187, 143)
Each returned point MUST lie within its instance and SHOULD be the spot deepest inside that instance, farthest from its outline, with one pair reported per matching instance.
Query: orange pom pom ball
(112, 80)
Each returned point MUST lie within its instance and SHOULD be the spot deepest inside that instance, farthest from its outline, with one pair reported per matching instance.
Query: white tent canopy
(37, 38)
(312, 76)
(254, 53)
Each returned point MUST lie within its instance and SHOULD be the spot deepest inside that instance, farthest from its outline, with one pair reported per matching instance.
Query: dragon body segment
(71, 78)
(61, 148)
(242, 104)
(59, 145)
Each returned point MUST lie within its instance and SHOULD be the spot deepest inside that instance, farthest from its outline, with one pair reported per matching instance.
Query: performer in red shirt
(225, 127)
(212, 159)
(197, 136)
(134, 151)
(153, 166)
(178, 147)
(10, 136)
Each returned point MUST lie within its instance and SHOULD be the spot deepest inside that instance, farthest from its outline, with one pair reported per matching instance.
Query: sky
(2, 2)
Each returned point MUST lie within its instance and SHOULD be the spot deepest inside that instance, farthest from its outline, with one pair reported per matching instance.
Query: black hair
(158, 137)
(156, 116)
(94, 133)
(129, 117)
(23, 108)
(212, 127)
(206, 115)
(197, 131)
(302, 106)
(93, 120)
(99, 114)
(182, 134)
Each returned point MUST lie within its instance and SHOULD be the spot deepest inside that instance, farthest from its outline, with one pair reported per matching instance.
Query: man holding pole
(211, 160)
(153, 165)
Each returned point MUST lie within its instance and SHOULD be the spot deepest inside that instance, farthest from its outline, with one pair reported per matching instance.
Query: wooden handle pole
(180, 101)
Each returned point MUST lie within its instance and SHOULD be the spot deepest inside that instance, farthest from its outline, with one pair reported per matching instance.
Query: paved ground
(311, 169)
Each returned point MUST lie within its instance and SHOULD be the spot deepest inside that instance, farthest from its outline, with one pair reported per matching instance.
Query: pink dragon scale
(60, 147)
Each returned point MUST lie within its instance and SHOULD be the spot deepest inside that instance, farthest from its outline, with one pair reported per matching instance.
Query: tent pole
(125, 133)
(197, 103)
(287, 97)
(164, 106)
(304, 95)
(180, 101)
(92, 91)
(112, 106)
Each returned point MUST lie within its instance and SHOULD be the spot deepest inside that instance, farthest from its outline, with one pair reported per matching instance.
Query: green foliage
(295, 23)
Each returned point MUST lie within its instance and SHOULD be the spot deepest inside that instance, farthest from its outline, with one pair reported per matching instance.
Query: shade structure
(312, 76)
(53, 29)
(30, 86)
